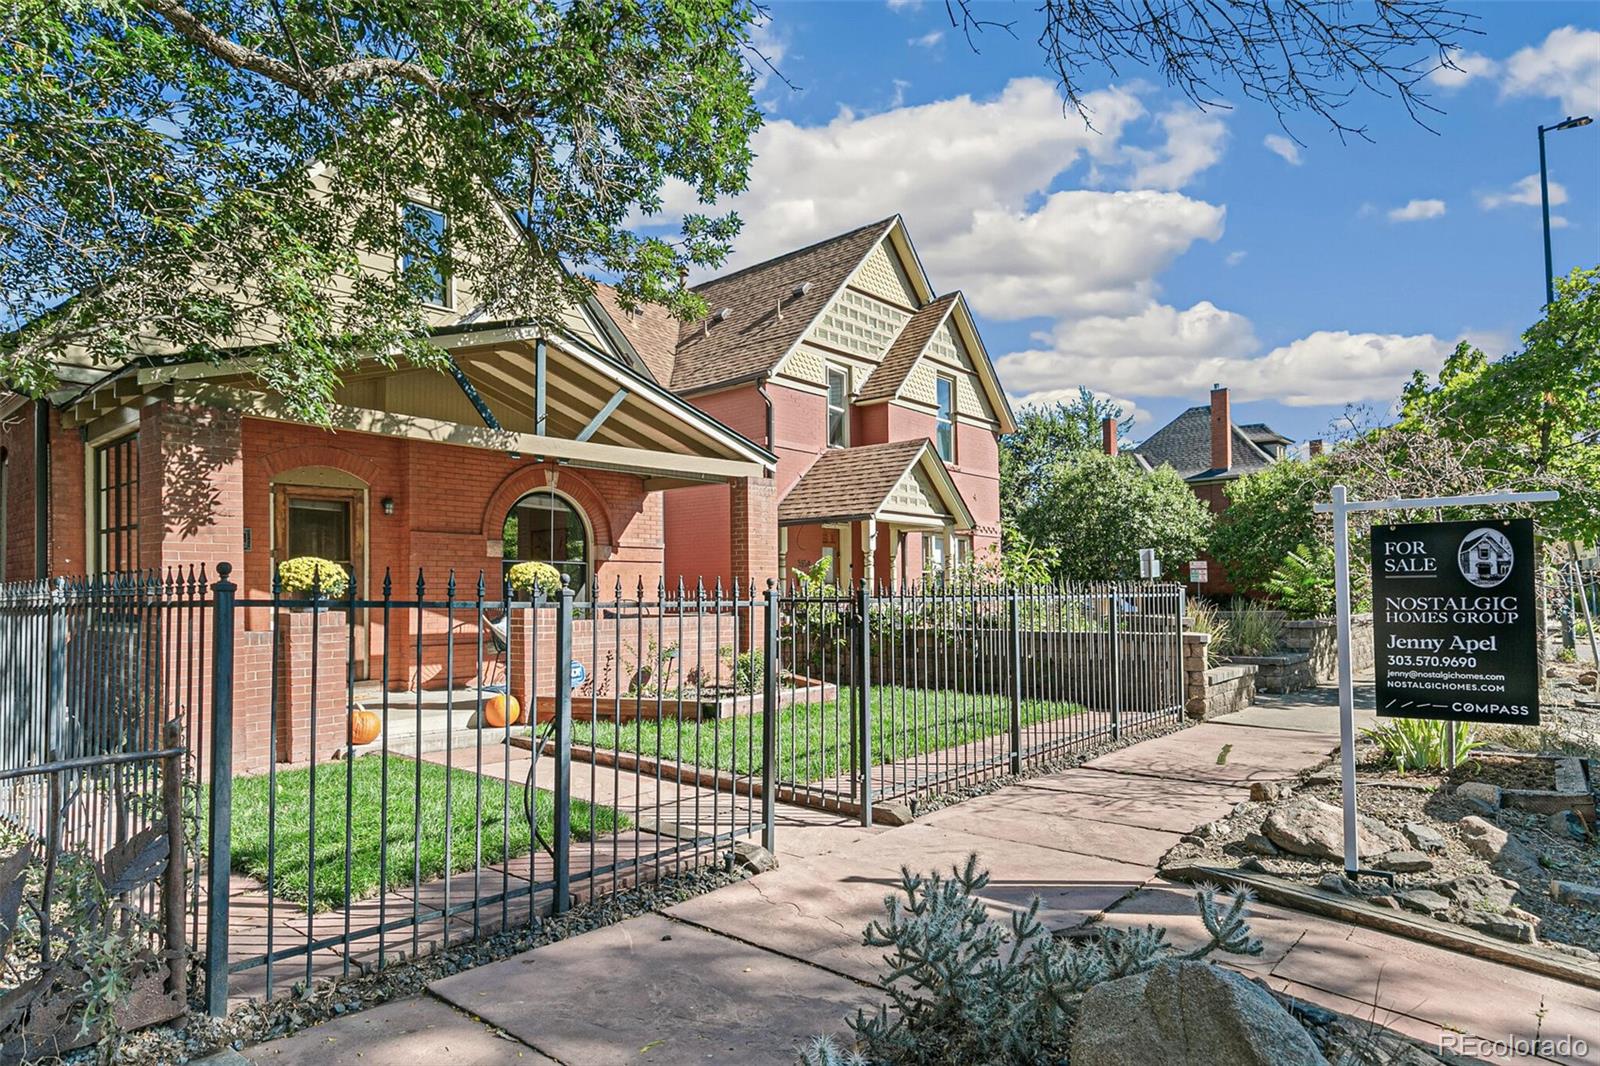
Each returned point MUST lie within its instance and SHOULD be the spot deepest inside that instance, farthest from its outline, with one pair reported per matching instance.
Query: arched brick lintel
(283, 460)
(569, 483)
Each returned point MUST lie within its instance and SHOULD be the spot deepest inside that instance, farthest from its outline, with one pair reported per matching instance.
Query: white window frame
(843, 409)
(448, 286)
(944, 417)
(932, 553)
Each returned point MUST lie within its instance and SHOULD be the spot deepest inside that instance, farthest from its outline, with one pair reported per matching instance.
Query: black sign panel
(1453, 621)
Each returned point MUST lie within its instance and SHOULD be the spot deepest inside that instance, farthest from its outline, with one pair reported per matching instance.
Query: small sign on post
(1149, 565)
(1199, 572)
(1453, 621)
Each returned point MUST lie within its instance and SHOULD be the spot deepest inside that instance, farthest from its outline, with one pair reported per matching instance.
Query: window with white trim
(838, 407)
(422, 252)
(944, 425)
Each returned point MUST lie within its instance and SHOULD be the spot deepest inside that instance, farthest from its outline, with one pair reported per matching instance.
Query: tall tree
(217, 172)
(1046, 433)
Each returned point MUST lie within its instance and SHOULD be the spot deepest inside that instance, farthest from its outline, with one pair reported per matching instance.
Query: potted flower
(533, 580)
(306, 576)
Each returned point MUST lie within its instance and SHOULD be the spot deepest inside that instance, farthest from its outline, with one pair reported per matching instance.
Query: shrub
(1419, 743)
(1269, 514)
(1252, 629)
(1567, 655)
(1201, 617)
(534, 580)
(307, 574)
(1303, 584)
(966, 989)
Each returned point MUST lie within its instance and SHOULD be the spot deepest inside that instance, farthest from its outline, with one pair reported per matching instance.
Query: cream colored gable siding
(882, 275)
(914, 494)
(426, 393)
(854, 330)
(945, 354)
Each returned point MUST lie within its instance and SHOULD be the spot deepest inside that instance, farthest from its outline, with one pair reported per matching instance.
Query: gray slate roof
(1185, 445)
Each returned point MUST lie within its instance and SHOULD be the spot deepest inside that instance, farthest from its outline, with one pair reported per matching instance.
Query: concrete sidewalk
(751, 971)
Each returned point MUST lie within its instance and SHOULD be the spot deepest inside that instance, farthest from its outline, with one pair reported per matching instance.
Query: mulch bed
(1507, 772)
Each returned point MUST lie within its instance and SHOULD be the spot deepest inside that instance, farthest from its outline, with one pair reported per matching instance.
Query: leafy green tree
(220, 173)
(1046, 433)
(1096, 511)
(1268, 516)
(1532, 419)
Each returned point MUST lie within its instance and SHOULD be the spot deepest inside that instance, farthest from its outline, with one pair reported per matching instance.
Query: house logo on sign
(1485, 557)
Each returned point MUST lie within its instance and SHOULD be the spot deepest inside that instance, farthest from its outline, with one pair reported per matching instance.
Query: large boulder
(1504, 851)
(1315, 829)
(1188, 1014)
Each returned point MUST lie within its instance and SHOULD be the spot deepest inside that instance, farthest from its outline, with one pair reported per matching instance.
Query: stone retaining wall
(1209, 692)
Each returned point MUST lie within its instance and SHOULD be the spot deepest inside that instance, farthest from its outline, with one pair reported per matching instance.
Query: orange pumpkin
(501, 710)
(365, 726)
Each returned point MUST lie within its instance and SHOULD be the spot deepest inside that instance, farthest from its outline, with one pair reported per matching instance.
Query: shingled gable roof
(652, 330)
(849, 484)
(766, 317)
(889, 375)
(1185, 445)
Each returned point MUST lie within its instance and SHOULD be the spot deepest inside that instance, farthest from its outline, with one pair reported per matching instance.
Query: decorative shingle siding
(882, 275)
(859, 324)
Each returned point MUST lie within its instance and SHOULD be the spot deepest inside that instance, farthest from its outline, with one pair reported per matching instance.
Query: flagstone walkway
(748, 973)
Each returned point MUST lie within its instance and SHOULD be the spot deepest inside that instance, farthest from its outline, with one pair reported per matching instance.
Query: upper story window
(838, 407)
(945, 427)
(421, 251)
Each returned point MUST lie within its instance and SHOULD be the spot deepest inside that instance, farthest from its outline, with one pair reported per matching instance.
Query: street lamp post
(1544, 200)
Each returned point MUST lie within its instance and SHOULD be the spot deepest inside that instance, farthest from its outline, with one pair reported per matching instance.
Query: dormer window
(838, 407)
(421, 253)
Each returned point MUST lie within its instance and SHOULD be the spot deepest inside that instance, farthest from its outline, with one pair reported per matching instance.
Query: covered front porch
(888, 515)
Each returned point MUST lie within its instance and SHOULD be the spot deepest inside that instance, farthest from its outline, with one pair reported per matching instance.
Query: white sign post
(1341, 509)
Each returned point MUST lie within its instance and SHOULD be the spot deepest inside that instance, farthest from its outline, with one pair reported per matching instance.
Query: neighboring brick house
(875, 395)
(1208, 450)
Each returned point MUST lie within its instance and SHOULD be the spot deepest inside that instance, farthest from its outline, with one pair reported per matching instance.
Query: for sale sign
(1453, 621)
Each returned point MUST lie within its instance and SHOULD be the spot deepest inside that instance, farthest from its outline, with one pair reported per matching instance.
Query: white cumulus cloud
(1193, 144)
(1417, 211)
(1525, 192)
(1283, 148)
(927, 40)
(1464, 67)
(1565, 66)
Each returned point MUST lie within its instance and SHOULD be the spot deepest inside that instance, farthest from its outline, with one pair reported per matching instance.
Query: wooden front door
(329, 523)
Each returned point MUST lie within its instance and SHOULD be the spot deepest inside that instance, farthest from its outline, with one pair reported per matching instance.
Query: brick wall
(191, 486)
(16, 449)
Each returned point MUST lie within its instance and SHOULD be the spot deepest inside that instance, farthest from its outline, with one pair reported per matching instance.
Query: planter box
(631, 708)
(1228, 689)
(1284, 672)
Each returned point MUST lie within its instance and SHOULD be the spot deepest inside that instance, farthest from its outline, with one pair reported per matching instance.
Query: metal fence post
(1116, 664)
(1014, 621)
(769, 724)
(55, 681)
(864, 697)
(563, 739)
(219, 843)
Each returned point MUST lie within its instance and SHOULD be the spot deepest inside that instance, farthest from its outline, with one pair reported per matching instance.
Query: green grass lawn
(505, 831)
(814, 739)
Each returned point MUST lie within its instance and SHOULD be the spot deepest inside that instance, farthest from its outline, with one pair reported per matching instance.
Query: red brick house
(875, 395)
(830, 404)
(1209, 450)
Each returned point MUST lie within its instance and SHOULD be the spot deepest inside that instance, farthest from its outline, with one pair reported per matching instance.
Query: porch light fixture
(388, 505)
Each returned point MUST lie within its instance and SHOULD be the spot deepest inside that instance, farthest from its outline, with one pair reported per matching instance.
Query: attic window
(422, 251)
(945, 429)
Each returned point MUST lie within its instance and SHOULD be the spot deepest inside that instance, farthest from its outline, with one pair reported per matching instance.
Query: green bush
(1252, 629)
(1201, 617)
(1419, 743)
(1303, 584)
(305, 574)
(534, 579)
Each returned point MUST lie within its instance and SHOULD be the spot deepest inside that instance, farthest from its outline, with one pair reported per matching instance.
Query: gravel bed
(257, 1021)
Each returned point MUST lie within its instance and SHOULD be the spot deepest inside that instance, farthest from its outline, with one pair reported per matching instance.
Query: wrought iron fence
(373, 777)
(914, 691)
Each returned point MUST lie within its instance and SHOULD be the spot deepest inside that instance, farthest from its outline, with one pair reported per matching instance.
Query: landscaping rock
(1567, 824)
(1336, 882)
(1503, 926)
(1257, 844)
(1424, 837)
(1188, 1014)
(1269, 791)
(1423, 901)
(1489, 841)
(1268, 866)
(1404, 862)
(1572, 950)
(892, 813)
(1483, 797)
(753, 858)
(1480, 892)
(1586, 679)
(1579, 895)
(1385, 901)
(1310, 827)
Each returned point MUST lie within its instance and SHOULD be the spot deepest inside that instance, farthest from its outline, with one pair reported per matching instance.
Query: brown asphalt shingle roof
(755, 336)
(888, 375)
(849, 482)
(651, 330)
(1185, 445)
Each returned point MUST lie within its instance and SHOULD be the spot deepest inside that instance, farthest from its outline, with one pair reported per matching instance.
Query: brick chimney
(1314, 447)
(1108, 435)
(1221, 430)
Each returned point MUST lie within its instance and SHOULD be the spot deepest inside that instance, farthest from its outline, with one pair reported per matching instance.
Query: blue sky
(1173, 247)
